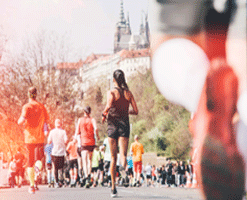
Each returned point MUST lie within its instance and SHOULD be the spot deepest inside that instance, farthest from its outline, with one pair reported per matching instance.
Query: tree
(35, 65)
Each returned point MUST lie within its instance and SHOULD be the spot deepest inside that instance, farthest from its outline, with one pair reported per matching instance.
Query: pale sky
(90, 23)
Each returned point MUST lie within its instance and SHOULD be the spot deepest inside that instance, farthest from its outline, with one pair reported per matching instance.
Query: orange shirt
(72, 149)
(35, 115)
(86, 130)
(137, 149)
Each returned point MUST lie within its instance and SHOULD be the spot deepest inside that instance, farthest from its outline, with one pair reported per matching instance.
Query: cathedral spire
(122, 19)
(128, 30)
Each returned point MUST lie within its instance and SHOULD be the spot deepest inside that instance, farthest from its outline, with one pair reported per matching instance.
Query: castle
(123, 37)
(131, 54)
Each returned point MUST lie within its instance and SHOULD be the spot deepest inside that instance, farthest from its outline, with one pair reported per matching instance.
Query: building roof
(66, 65)
(134, 53)
(93, 57)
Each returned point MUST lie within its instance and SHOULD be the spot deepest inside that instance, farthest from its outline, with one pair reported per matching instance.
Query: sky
(90, 24)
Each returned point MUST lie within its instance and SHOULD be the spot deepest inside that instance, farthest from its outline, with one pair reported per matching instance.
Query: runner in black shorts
(117, 113)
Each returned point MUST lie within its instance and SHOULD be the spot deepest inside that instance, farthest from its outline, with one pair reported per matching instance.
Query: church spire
(128, 30)
(122, 19)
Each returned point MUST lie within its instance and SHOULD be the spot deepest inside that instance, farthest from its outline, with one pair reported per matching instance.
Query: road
(101, 193)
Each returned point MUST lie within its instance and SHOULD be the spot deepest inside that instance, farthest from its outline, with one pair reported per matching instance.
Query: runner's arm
(108, 105)
(95, 128)
(133, 104)
(22, 118)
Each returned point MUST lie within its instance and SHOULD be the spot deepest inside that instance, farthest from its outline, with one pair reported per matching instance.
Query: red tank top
(86, 130)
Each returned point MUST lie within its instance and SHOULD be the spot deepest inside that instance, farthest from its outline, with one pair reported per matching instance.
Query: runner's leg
(113, 144)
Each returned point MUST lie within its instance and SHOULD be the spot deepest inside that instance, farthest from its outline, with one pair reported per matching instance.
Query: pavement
(101, 193)
(3, 178)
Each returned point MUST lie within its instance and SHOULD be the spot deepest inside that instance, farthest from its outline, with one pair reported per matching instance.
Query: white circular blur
(179, 69)
(242, 107)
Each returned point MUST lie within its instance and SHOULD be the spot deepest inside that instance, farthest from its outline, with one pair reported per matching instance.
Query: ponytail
(118, 75)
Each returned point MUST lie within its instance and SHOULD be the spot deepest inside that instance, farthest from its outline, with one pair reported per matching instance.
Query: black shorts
(20, 171)
(73, 164)
(101, 166)
(130, 171)
(95, 169)
(148, 176)
(88, 148)
(118, 128)
(107, 165)
(48, 166)
(58, 161)
(35, 152)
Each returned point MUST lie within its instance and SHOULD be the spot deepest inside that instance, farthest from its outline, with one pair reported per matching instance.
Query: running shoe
(36, 187)
(87, 185)
(126, 181)
(31, 190)
(114, 193)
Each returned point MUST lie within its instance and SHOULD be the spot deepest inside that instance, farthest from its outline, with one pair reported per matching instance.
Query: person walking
(87, 128)
(137, 149)
(73, 164)
(59, 139)
(117, 113)
(34, 116)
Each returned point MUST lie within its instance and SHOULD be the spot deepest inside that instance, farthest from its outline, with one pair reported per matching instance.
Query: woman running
(117, 114)
(86, 128)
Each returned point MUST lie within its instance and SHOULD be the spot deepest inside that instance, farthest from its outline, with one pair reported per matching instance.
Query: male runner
(137, 149)
(34, 116)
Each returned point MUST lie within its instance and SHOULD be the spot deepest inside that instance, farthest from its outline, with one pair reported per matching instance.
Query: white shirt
(148, 170)
(58, 137)
(107, 150)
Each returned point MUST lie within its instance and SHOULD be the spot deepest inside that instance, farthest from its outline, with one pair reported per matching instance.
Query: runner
(101, 165)
(130, 169)
(59, 139)
(117, 113)
(209, 30)
(20, 158)
(79, 159)
(95, 165)
(12, 172)
(73, 165)
(34, 115)
(137, 149)
(107, 161)
(50, 178)
(148, 170)
(87, 128)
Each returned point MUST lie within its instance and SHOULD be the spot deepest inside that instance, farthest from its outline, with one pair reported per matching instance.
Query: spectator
(169, 168)
(181, 172)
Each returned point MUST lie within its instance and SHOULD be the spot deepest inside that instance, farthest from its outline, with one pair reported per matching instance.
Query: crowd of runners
(70, 172)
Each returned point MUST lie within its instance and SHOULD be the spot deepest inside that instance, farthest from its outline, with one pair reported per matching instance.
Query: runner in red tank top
(86, 128)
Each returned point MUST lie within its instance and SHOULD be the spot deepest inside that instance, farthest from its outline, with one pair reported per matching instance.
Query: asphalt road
(101, 193)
